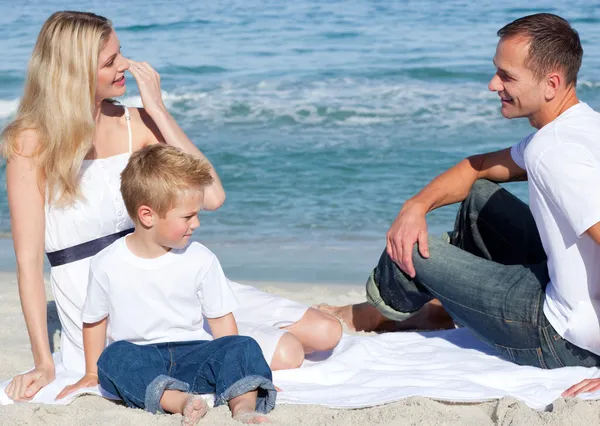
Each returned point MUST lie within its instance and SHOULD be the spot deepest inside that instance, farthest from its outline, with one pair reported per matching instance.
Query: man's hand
(409, 227)
(585, 386)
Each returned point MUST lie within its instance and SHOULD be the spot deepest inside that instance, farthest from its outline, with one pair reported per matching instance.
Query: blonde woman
(65, 151)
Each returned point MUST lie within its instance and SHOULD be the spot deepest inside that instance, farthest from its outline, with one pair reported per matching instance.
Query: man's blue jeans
(229, 367)
(490, 275)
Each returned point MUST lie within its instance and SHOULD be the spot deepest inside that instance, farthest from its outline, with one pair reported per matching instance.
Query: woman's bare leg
(366, 317)
(289, 353)
(317, 331)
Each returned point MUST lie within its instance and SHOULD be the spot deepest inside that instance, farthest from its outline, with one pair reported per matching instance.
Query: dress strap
(128, 120)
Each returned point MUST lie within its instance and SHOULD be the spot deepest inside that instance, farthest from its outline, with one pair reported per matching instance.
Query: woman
(65, 151)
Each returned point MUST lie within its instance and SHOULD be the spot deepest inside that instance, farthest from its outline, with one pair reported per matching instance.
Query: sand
(15, 356)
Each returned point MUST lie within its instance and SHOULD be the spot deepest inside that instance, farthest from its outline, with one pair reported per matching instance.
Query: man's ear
(145, 216)
(554, 82)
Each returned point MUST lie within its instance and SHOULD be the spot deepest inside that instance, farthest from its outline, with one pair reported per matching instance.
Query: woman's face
(111, 70)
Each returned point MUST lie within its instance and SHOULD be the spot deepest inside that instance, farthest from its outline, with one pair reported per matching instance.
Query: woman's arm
(163, 127)
(223, 326)
(26, 204)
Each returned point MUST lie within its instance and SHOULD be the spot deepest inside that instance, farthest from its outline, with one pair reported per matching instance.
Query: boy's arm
(94, 340)
(222, 326)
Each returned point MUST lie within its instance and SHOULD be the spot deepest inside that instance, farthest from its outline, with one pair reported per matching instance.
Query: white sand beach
(15, 356)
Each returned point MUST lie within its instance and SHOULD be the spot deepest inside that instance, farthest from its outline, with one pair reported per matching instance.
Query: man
(524, 279)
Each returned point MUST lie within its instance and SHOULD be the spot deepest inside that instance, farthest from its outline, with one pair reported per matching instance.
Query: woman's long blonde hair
(59, 100)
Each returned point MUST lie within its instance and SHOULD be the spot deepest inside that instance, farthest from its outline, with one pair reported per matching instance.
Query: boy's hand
(87, 381)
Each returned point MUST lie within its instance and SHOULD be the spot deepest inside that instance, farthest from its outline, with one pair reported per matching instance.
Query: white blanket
(365, 371)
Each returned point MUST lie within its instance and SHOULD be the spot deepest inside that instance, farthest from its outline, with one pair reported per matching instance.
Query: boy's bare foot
(250, 417)
(194, 409)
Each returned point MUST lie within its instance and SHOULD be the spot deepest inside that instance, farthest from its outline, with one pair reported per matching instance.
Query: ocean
(321, 117)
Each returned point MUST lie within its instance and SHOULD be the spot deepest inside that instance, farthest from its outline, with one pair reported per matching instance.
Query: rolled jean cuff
(374, 298)
(265, 400)
(157, 387)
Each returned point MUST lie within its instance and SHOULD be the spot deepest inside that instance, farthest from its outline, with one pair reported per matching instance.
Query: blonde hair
(59, 100)
(157, 175)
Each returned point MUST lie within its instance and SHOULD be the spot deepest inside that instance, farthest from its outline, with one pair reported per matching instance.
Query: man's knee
(480, 193)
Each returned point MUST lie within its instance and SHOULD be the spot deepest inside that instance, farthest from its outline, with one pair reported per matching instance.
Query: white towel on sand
(365, 371)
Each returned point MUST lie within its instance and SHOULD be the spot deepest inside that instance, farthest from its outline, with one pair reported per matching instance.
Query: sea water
(321, 117)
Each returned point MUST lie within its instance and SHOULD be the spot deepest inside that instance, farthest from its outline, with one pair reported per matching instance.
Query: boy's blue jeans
(489, 274)
(229, 367)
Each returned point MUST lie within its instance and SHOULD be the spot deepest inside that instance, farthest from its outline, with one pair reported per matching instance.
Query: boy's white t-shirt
(157, 300)
(562, 161)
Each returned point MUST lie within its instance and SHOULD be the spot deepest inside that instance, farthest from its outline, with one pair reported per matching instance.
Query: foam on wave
(341, 101)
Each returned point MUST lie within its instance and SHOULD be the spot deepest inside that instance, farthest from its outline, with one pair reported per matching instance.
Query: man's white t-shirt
(562, 161)
(157, 300)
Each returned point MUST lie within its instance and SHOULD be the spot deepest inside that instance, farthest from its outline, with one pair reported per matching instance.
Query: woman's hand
(585, 386)
(148, 81)
(87, 381)
(24, 386)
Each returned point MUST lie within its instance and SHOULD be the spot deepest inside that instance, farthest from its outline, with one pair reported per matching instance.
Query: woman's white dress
(101, 212)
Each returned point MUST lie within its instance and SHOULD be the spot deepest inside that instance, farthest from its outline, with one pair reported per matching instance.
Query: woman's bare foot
(359, 317)
(250, 417)
(365, 317)
(194, 409)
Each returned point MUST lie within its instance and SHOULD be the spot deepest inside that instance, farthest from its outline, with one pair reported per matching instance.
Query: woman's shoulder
(24, 143)
(142, 124)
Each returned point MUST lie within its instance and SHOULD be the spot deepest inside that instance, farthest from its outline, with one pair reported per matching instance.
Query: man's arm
(223, 326)
(450, 187)
(587, 385)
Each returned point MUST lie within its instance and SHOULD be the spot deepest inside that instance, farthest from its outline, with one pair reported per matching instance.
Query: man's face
(520, 92)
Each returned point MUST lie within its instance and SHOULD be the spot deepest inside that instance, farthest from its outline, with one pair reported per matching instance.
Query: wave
(8, 107)
(164, 26)
(345, 102)
(331, 102)
(196, 70)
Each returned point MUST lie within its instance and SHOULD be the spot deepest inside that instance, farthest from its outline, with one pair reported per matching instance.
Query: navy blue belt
(84, 250)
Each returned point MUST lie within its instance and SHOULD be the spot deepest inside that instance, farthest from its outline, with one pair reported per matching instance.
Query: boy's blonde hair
(59, 100)
(157, 175)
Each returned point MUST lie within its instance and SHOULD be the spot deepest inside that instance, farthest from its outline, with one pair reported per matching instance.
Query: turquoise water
(321, 117)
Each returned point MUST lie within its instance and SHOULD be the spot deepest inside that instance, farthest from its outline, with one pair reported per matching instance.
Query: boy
(156, 286)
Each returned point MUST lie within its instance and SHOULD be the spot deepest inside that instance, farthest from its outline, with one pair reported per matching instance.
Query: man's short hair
(553, 44)
(157, 175)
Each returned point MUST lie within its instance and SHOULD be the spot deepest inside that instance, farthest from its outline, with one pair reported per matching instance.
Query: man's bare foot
(250, 417)
(194, 409)
(365, 317)
(432, 316)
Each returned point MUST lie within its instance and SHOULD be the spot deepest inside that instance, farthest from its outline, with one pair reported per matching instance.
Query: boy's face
(175, 229)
